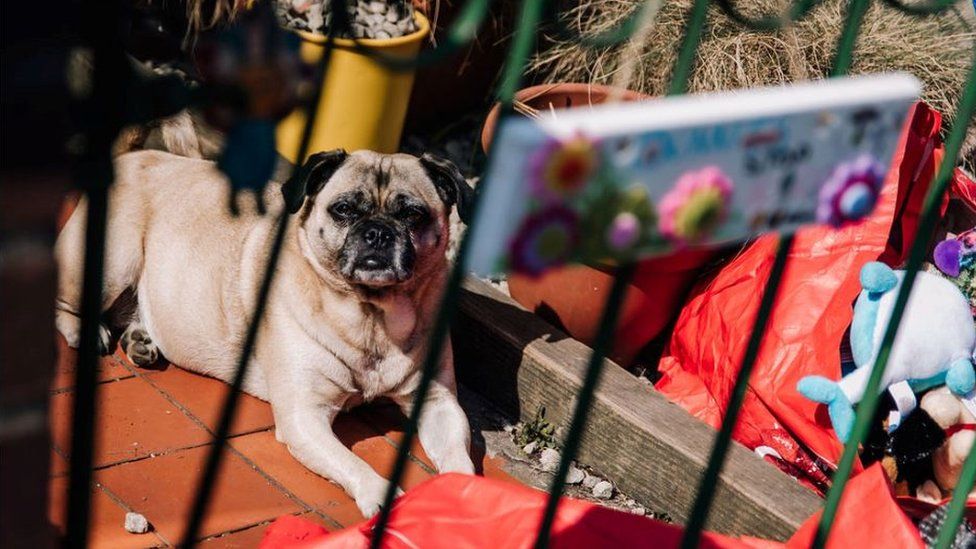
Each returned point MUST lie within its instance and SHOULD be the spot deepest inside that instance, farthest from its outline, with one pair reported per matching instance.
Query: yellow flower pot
(363, 103)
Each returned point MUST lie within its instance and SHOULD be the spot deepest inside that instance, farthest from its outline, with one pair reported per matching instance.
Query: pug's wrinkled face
(379, 221)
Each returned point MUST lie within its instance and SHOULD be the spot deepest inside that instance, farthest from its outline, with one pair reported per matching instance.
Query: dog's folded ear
(309, 179)
(450, 184)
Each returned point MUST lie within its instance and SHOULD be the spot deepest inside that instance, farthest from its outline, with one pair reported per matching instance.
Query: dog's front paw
(460, 462)
(139, 347)
(370, 495)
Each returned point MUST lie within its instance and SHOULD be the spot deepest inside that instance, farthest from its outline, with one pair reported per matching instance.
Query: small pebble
(639, 511)
(392, 16)
(382, 35)
(390, 28)
(603, 490)
(575, 475)
(589, 481)
(530, 448)
(549, 460)
(136, 523)
(377, 7)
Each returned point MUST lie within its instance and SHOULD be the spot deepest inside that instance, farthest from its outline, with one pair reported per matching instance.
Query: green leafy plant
(536, 430)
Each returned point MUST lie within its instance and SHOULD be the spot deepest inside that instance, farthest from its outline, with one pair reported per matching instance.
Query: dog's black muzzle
(378, 253)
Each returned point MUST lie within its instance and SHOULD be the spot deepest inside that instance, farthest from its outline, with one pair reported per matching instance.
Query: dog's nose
(378, 236)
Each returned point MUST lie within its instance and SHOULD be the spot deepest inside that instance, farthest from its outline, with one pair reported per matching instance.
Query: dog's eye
(412, 216)
(342, 210)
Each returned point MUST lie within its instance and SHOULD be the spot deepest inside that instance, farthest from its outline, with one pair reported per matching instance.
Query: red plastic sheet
(867, 517)
(460, 512)
(812, 313)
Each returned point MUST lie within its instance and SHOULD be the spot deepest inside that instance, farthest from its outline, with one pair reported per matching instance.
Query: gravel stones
(603, 490)
(368, 19)
(136, 523)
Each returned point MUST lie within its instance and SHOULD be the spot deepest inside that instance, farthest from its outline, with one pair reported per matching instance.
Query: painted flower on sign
(545, 239)
(696, 205)
(560, 169)
(624, 231)
(851, 191)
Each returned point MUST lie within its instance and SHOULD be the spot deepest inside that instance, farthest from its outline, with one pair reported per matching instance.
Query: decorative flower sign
(697, 204)
(617, 183)
(851, 191)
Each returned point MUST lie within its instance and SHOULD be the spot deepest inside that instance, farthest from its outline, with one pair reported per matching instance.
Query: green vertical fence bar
(723, 440)
(208, 478)
(574, 436)
(523, 42)
(103, 113)
(869, 403)
(709, 481)
(611, 309)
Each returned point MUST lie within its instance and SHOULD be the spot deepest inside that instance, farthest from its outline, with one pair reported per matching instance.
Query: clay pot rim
(541, 90)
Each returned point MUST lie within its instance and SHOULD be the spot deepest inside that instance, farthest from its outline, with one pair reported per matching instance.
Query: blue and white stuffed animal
(935, 343)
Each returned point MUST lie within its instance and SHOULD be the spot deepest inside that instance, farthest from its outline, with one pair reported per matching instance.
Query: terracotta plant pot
(573, 297)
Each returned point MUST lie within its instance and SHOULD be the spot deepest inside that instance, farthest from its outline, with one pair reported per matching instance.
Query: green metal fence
(120, 98)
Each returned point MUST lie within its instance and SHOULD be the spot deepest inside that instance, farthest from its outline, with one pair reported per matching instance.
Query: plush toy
(957, 418)
(934, 346)
(928, 450)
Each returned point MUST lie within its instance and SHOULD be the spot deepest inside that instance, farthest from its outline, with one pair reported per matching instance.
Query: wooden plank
(653, 450)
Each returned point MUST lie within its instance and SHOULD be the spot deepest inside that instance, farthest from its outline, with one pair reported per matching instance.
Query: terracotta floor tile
(492, 467)
(109, 367)
(243, 539)
(388, 421)
(375, 450)
(163, 488)
(107, 519)
(250, 538)
(273, 458)
(204, 397)
(134, 420)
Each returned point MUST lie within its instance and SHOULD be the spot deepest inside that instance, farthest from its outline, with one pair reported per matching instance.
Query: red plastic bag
(867, 517)
(461, 511)
(807, 327)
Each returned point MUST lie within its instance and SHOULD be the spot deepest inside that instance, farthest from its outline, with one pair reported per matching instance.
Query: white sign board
(619, 182)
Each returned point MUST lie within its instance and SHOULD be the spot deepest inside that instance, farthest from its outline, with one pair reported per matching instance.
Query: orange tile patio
(155, 429)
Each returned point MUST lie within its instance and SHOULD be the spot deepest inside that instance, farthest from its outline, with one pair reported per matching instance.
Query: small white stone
(377, 7)
(549, 460)
(603, 490)
(530, 447)
(589, 481)
(136, 523)
(639, 511)
(575, 475)
(382, 35)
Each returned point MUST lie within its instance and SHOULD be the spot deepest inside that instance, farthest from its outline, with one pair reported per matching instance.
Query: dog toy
(929, 449)
(934, 345)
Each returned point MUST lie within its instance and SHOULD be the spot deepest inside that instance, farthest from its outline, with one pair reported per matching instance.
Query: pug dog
(355, 291)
